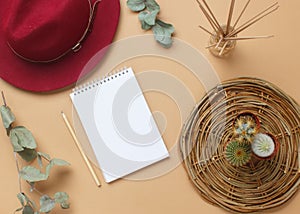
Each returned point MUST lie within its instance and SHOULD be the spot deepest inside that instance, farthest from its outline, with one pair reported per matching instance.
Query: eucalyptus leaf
(59, 162)
(28, 210)
(61, 197)
(46, 203)
(65, 205)
(167, 27)
(15, 142)
(29, 202)
(32, 174)
(7, 116)
(22, 198)
(136, 5)
(23, 137)
(28, 154)
(151, 18)
(48, 169)
(142, 16)
(152, 5)
(163, 33)
(41, 155)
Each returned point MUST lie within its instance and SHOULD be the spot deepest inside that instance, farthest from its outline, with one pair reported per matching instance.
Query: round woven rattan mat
(261, 184)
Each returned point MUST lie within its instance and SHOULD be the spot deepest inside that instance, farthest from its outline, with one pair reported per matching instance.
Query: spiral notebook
(119, 124)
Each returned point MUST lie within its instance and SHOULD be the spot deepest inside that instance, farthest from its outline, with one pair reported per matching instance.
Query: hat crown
(44, 30)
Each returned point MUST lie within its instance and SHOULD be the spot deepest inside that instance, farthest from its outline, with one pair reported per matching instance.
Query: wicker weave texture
(261, 184)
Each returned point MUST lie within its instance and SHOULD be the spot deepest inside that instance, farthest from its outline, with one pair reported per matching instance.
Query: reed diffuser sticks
(224, 37)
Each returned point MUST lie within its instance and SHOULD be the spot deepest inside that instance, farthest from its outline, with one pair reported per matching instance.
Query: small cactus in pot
(264, 146)
(245, 127)
(238, 153)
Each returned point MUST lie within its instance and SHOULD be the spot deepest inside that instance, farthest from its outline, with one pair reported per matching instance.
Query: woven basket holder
(260, 185)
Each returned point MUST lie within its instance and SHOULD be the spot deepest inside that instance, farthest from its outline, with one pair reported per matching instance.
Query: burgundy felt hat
(45, 44)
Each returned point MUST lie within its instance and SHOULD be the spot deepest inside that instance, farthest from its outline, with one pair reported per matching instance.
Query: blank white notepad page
(119, 125)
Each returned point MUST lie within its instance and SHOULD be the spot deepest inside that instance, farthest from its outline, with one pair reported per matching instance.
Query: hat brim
(44, 77)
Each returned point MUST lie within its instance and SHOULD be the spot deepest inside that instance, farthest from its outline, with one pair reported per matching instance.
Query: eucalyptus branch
(24, 145)
(32, 188)
(148, 11)
(18, 168)
(45, 158)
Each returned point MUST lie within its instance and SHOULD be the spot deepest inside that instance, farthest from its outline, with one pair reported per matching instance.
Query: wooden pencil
(91, 169)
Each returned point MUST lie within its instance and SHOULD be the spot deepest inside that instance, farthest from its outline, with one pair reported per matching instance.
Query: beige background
(276, 60)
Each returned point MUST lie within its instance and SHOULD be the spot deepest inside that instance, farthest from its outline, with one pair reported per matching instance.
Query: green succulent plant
(238, 153)
(245, 128)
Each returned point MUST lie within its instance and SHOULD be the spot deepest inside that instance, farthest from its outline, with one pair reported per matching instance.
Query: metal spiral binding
(99, 81)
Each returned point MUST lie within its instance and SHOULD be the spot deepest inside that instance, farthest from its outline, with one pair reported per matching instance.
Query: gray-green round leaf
(21, 198)
(163, 33)
(136, 5)
(15, 142)
(142, 16)
(59, 162)
(152, 5)
(23, 137)
(32, 174)
(55, 161)
(61, 197)
(46, 203)
(65, 205)
(28, 154)
(7, 116)
(167, 27)
(151, 17)
(28, 210)
(29, 201)
(48, 169)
